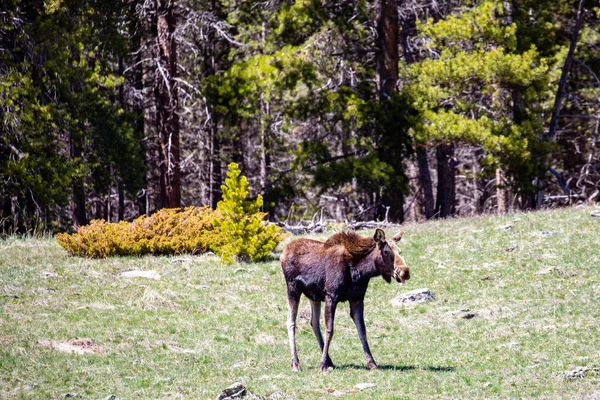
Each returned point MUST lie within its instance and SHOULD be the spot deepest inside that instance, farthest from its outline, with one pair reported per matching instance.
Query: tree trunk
(387, 56)
(562, 84)
(425, 196)
(168, 104)
(78, 213)
(501, 192)
(215, 175)
(121, 211)
(424, 201)
(151, 200)
(446, 189)
(387, 77)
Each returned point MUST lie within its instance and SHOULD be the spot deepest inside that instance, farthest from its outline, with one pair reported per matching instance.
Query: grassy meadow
(517, 310)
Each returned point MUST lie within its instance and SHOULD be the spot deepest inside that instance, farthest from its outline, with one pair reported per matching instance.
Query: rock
(363, 386)
(236, 391)
(578, 373)
(595, 213)
(469, 315)
(549, 233)
(558, 271)
(140, 274)
(506, 227)
(413, 297)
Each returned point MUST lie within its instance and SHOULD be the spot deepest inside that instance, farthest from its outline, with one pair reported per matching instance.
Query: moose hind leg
(357, 314)
(315, 323)
(293, 303)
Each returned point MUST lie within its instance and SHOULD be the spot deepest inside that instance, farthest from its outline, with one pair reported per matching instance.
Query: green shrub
(245, 233)
(235, 231)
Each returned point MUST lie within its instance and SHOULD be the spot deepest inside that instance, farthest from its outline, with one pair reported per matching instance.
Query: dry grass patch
(74, 346)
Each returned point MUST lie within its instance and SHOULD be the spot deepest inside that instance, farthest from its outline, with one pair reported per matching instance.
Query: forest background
(397, 110)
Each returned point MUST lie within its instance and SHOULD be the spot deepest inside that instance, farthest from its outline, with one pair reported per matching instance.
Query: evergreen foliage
(468, 93)
(245, 235)
(95, 120)
(61, 123)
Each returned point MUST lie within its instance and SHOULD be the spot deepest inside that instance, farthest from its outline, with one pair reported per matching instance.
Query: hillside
(517, 310)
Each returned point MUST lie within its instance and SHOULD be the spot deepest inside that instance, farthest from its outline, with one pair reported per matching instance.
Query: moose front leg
(316, 325)
(330, 305)
(357, 313)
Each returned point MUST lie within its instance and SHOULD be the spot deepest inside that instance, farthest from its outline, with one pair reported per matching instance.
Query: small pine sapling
(246, 236)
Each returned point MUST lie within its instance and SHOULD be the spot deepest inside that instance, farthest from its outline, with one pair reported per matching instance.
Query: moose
(335, 271)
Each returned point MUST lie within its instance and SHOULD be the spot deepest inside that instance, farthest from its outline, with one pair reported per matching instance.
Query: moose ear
(379, 236)
(398, 236)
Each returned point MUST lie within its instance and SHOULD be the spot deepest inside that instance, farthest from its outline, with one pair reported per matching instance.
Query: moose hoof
(296, 367)
(325, 367)
(372, 365)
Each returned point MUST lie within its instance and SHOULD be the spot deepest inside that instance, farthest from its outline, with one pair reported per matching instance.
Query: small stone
(545, 271)
(140, 274)
(235, 391)
(505, 227)
(413, 297)
(469, 315)
(578, 373)
(549, 233)
(363, 386)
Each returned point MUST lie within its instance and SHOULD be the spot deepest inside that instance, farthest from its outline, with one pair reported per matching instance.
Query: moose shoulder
(334, 271)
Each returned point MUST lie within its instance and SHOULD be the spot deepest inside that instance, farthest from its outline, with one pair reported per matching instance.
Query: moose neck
(366, 268)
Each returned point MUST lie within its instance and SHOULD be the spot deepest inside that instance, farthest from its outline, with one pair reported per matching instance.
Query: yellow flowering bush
(237, 230)
(168, 231)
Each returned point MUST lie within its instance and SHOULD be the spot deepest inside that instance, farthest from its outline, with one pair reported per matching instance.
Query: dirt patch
(97, 306)
(76, 346)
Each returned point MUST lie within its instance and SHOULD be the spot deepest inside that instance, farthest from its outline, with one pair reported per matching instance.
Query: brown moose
(334, 271)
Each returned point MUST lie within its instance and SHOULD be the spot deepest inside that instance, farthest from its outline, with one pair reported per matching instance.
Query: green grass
(205, 325)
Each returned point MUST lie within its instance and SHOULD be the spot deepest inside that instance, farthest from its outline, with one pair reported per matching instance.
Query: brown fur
(354, 244)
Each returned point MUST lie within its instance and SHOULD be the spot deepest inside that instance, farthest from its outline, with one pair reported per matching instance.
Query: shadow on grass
(400, 368)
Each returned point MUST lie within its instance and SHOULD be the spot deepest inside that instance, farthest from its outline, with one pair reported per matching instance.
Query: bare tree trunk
(78, 212)
(168, 104)
(387, 77)
(424, 201)
(387, 57)
(265, 157)
(425, 197)
(501, 192)
(446, 192)
(562, 84)
(215, 176)
(565, 72)
(151, 201)
(121, 210)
